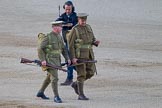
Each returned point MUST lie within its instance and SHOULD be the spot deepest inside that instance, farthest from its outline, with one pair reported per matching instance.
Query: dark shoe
(57, 99)
(75, 87)
(42, 95)
(67, 82)
(82, 97)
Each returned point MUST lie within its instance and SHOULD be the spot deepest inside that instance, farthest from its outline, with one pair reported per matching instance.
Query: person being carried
(81, 41)
(70, 19)
(49, 51)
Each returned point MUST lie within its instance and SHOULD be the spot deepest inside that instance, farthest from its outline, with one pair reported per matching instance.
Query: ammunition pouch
(49, 50)
(78, 43)
(84, 48)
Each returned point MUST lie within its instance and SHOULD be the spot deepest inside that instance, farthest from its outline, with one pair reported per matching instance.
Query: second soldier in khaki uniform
(49, 50)
(81, 39)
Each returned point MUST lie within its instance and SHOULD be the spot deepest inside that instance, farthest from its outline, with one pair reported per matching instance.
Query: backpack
(40, 37)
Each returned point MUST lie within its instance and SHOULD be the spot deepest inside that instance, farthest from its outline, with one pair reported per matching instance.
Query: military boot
(81, 92)
(67, 82)
(75, 87)
(57, 99)
(42, 95)
(82, 97)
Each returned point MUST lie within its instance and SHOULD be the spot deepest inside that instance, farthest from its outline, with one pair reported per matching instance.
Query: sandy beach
(129, 58)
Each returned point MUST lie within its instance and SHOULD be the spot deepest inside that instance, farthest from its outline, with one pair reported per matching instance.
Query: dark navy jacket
(72, 18)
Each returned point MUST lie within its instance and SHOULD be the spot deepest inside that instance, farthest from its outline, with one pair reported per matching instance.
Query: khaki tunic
(57, 44)
(85, 33)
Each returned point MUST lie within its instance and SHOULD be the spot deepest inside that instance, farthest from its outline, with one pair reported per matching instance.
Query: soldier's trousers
(85, 71)
(52, 76)
(46, 82)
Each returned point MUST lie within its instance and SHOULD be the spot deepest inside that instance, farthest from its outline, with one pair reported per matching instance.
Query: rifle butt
(24, 60)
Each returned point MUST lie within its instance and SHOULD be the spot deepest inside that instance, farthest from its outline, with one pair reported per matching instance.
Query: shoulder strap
(77, 33)
(89, 27)
(49, 39)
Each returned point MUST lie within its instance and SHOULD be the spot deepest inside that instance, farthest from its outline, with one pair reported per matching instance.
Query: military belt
(88, 46)
(55, 52)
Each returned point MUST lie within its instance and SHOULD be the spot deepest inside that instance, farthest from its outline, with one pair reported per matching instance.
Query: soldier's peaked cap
(82, 15)
(56, 22)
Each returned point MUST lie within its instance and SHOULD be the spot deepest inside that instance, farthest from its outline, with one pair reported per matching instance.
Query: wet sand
(129, 57)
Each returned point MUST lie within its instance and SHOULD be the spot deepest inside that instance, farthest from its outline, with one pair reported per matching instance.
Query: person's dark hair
(69, 3)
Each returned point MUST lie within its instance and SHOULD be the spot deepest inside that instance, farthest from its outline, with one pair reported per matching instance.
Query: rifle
(38, 62)
(59, 10)
(80, 62)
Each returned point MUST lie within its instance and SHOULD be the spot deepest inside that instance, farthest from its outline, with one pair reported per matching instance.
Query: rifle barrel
(86, 61)
(59, 10)
(38, 62)
(56, 67)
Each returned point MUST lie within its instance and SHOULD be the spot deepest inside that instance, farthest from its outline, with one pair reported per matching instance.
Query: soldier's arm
(94, 41)
(41, 47)
(90, 29)
(65, 52)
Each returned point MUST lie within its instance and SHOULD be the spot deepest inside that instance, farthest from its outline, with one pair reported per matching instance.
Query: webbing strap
(88, 46)
(83, 45)
(77, 33)
(50, 43)
(55, 52)
(49, 39)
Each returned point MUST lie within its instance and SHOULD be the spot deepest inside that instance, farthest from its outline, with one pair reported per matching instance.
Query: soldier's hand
(74, 60)
(96, 43)
(44, 63)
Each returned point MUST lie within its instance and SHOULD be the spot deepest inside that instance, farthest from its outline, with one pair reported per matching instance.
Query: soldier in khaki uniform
(49, 50)
(81, 40)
